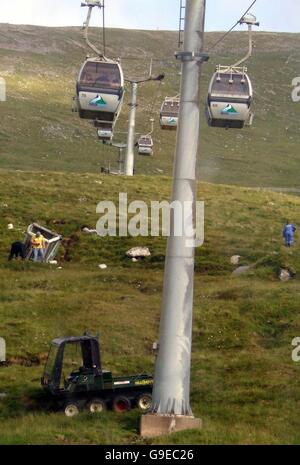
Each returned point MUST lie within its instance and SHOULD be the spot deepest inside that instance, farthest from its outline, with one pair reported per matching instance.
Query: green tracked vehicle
(87, 385)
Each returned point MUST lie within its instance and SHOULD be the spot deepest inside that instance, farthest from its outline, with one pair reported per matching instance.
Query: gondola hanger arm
(86, 26)
(250, 20)
(152, 127)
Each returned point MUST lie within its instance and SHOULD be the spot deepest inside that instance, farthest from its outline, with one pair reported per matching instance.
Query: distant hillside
(39, 132)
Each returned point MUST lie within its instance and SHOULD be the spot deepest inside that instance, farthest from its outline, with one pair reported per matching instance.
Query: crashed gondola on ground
(52, 242)
(145, 145)
(100, 92)
(229, 99)
(169, 113)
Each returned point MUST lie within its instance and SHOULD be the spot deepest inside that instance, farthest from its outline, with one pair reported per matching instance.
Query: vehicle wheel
(121, 404)
(144, 402)
(97, 406)
(71, 409)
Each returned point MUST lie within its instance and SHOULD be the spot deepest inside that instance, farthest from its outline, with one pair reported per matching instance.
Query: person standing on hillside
(289, 234)
(38, 244)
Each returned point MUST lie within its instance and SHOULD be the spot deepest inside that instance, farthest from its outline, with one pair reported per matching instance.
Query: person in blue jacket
(289, 234)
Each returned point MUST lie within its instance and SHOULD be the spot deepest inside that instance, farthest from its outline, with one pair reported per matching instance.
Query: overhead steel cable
(211, 48)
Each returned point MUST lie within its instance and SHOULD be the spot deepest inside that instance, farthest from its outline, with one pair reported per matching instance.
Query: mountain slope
(244, 384)
(38, 130)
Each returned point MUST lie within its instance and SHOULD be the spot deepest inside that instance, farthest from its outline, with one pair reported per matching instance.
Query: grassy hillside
(244, 385)
(39, 132)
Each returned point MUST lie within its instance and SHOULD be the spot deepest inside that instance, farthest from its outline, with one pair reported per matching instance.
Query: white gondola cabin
(229, 99)
(169, 113)
(52, 239)
(145, 145)
(100, 92)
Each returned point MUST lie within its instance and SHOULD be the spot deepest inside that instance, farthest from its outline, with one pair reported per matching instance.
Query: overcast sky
(274, 15)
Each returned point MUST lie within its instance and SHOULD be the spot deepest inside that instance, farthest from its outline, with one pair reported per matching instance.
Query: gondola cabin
(100, 92)
(145, 145)
(169, 114)
(229, 99)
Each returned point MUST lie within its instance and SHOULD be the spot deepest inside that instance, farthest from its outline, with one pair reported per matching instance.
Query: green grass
(244, 386)
(39, 132)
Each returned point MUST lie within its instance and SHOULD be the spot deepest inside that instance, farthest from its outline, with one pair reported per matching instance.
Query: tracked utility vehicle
(88, 386)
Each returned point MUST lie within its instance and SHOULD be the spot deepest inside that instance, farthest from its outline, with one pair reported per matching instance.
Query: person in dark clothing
(289, 234)
(17, 250)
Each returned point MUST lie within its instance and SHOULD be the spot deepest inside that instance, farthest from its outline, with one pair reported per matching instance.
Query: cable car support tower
(171, 410)
(129, 157)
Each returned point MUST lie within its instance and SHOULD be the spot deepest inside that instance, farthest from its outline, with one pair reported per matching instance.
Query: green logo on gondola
(229, 110)
(171, 120)
(98, 101)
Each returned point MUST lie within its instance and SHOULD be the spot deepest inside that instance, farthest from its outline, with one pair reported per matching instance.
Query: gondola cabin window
(100, 75)
(145, 141)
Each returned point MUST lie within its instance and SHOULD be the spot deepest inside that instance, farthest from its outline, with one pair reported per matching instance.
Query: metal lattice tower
(181, 22)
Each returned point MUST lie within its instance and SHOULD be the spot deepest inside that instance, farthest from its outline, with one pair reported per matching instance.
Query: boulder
(235, 259)
(286, 275)
(138, 252)
(89, 231)
(241, 270)
(102, 266)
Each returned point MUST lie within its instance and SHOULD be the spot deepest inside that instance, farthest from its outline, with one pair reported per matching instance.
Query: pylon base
(152, 425)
